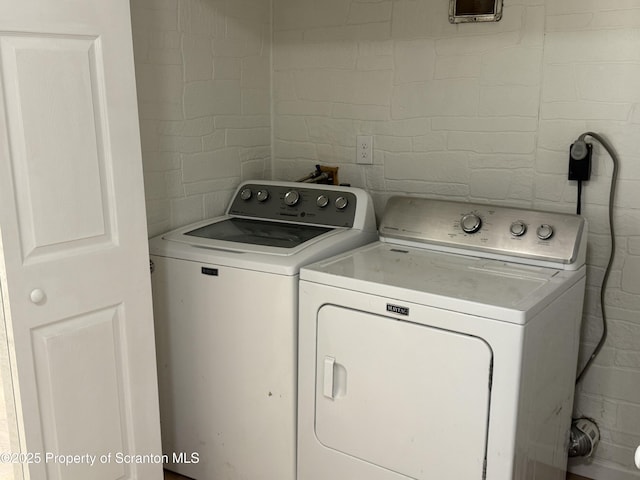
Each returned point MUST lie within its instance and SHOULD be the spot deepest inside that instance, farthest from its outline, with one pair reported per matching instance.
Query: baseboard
(601, 471)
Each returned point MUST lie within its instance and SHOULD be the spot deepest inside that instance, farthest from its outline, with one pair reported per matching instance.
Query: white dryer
(225, 299)
(447, 350)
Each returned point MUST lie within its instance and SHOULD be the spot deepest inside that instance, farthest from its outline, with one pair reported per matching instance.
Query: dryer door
(406, 397)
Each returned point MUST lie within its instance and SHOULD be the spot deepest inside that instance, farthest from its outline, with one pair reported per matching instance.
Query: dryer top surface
(463, 283)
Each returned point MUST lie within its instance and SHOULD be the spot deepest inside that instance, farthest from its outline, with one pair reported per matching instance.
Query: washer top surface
(276, 227)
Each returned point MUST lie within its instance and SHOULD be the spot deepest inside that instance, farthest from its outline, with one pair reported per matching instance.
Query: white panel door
(406, 397)
(74, 261)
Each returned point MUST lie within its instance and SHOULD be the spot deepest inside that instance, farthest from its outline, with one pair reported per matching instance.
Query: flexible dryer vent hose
(583, 438)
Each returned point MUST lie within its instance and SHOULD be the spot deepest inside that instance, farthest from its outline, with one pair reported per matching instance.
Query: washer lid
(257, 232)
(478, 286)
(246, 235)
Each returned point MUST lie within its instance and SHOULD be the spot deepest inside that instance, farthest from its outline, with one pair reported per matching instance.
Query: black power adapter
(580, 161)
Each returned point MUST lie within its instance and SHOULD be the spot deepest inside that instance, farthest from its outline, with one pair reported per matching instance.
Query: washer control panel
(333, 206)
(505, 231)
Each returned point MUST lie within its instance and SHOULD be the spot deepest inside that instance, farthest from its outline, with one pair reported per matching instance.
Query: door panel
(57, 140)
(406, 397)
(98, 395)
(74, 259)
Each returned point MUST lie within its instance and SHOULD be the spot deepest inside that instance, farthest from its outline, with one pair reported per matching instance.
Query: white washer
(447, 350)
(225, 298)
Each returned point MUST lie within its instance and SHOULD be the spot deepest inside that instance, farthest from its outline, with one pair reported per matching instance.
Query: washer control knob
(518, 228)
(341, 203)
(262, 195)
(322, 201)
(246, 194)
(471, 223)
(544, 232)
(291, 198)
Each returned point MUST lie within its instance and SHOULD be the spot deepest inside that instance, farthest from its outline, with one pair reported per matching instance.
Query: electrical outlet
(364, 149)
(580, 161)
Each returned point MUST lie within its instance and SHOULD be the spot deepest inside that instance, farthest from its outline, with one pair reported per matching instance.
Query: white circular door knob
(37, 296)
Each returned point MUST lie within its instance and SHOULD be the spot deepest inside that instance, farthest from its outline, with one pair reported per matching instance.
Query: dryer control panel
(487, 229)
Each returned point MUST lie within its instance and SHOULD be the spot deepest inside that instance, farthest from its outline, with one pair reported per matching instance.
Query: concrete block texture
(203, 70)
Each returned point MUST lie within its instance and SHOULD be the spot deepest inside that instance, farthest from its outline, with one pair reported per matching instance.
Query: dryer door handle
(327, 389)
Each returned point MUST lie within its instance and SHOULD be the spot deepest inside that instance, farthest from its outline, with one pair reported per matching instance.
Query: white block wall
(203, 73)
(483, 113)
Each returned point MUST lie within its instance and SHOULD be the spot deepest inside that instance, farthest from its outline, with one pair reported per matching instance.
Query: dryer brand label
(397, 309)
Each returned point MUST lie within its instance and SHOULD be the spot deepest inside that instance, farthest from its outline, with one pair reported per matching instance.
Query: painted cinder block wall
(204, 94)
(469, 112)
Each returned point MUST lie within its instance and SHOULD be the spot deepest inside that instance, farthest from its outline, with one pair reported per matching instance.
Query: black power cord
(612, 189)
(579, 200)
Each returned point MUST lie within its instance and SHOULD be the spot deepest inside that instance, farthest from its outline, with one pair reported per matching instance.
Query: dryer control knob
(341, 203)
(246, 194)
(322, 201)
(262, 195)
(544, 232)
(291, 198)
(518, 228)
(471, 223)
